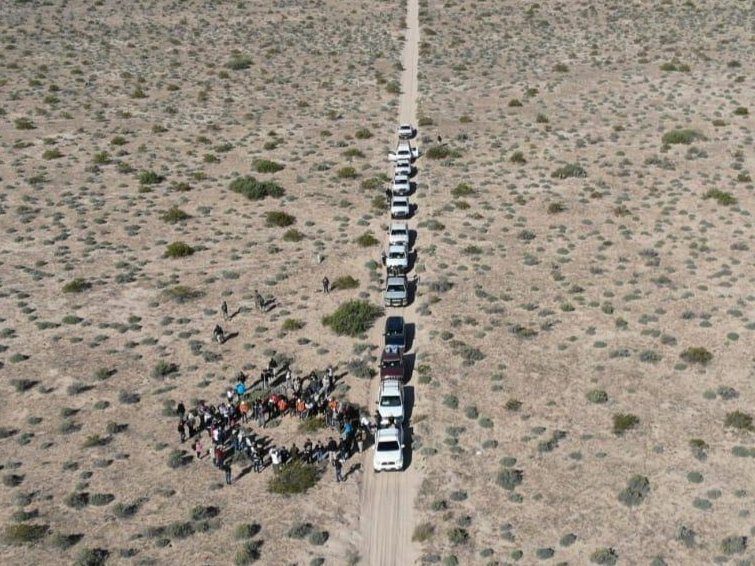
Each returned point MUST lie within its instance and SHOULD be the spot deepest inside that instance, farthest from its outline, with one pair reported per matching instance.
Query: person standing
(326, 285)
(224, 310)
(181, 409)
(227, 470)
(338, 465)
(182, 430)
(360, 440)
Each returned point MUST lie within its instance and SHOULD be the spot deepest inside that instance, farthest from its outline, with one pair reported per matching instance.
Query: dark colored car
(392, 363)
(395, 332)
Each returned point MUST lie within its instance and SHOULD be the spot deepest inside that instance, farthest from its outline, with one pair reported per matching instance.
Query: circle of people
(228, 424)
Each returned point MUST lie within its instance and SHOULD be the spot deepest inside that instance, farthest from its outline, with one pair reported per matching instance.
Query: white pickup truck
(406, 131)
(401, 186)
(391, 402)
(398, 233)
(404, 152)
(397, 258)
(400, 207)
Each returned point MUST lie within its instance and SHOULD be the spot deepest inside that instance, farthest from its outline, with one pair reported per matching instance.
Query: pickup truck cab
(406, 131)
(397, 258)
(404, 152)
(389, 449)
(396, 291)
(392, 364)
(400, 207)
(394, 334)
(401, 186)
(391, 402)
(398, 233)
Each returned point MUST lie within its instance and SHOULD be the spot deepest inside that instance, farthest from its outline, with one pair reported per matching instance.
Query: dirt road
(387, 517)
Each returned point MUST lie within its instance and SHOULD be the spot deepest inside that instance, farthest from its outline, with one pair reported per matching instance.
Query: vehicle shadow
(409, 360)
(409, 329)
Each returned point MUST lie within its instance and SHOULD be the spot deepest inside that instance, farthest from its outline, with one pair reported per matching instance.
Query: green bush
(163, 369)
(248, 553)
(696, 355)
(279, 218)
(457, 535)
(347, 173)
(253, 189)
(571, 170)
(423, 532)
(295, 477)
(637, 489)
(150, 178)
(741, 111)
(683, 136)
(438, 152)
(247, 530)
(509, 478)
(366, 240)
(77, 500)
(182, 294)
(462, 190)
(518, 157)
(363, 134)
(345, 282)
(556, 207)
(77, 285)
(597, 396)
(92, 557)
(318, 538)
(300, 530)
(733, 545)
(624, 422)
(393, 87)
(721, 197)
(293, 235)
(26, 533)
(425, 121)
(267, 166)
(174, 215)
(353, 318)
(605, 556)
(239, 62)
(178, 249)
(24, 124)
(561, 68)
(53, 153)
(515, 103)
(178, 459)
(739, 420)
(292, 324)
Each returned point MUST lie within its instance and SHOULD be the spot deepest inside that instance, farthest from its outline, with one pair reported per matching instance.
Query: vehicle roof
(405, 125)
(399, 247)
(397, 280)
(390, 433)
(394, 322)
(399, 226)
(401, 199)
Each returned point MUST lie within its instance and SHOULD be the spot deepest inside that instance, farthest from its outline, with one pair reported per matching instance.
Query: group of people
(229, 424)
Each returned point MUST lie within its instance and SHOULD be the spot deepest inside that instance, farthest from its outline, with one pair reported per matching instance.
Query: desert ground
(584, 376)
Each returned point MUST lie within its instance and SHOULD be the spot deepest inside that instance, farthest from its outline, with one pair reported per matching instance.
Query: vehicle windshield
(396, 255)
(392, 363)
(389, 446)
(399, 232)
(395, 289)
(390, 402)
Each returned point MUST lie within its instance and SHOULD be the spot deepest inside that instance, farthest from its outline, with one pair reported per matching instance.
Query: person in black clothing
(325, 285)
(181, 410)
(224, 310)
(339, 468)
(227, 470)
(182, 430)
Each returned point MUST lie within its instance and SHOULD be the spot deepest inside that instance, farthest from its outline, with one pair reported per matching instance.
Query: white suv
(389, 449)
